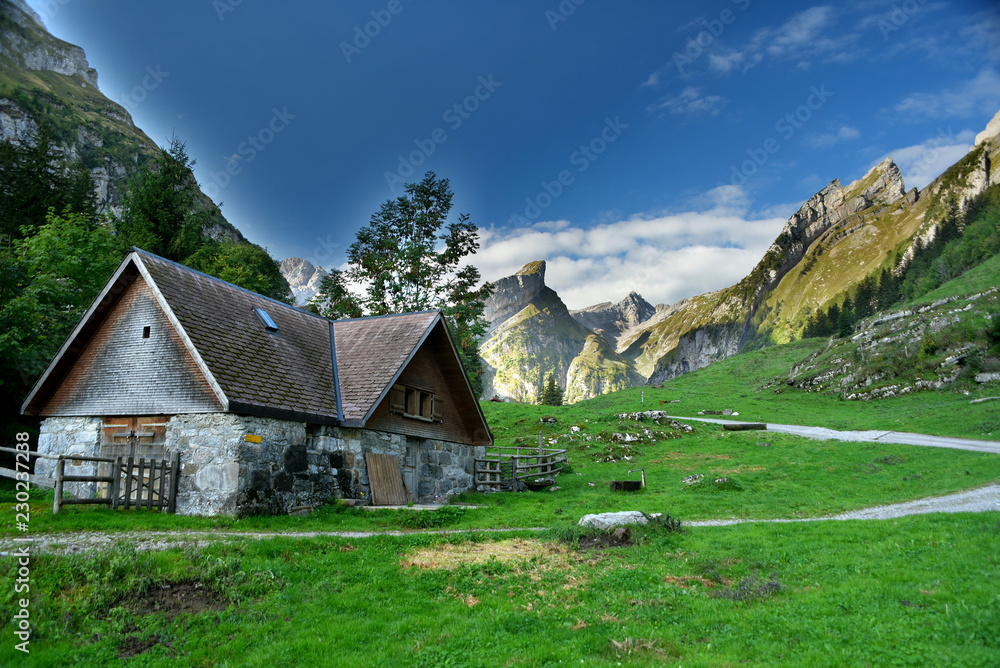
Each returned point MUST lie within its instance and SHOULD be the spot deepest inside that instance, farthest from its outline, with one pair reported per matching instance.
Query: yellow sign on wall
(250, 438)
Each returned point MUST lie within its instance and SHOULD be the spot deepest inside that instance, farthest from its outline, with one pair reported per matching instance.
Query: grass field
(914, 591)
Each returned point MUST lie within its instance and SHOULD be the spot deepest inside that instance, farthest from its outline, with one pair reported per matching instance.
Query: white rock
(607, 521)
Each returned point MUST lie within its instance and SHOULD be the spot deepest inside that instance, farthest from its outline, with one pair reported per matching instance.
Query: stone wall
(294, 464)
(70, 436)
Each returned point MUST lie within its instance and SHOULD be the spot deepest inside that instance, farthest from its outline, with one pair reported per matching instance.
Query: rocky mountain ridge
(303, 278)
(46, 80)
(837, 238)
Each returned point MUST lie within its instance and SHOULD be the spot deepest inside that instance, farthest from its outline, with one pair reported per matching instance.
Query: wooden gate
(131, 438)
(129, 483)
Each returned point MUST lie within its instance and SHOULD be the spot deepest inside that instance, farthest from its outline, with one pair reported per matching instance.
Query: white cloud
(924, 162)
(691, 101)
(666, 257)
(827, 139)
(652, 81)
(977, 96)
(805, 35)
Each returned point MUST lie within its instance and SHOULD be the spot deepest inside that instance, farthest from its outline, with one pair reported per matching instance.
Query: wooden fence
(130, 483)
(503, 467)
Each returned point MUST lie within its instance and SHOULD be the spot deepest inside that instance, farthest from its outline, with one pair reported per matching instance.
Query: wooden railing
(148, 483)
(503, 467)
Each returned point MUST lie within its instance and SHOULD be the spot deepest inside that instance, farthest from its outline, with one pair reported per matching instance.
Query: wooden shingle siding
(122, 373)
(423, 372)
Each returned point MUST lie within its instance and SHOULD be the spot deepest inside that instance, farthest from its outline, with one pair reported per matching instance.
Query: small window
(416, 404)
(266, 318)
(145, 332)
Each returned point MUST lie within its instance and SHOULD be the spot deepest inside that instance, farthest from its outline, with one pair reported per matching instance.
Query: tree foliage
(36, 178)
(409, 258)
(161, 207)
(47, 280)
(244, 264)
(552, 394)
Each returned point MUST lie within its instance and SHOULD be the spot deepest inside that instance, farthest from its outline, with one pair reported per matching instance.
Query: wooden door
(385, 480)
(136, 437)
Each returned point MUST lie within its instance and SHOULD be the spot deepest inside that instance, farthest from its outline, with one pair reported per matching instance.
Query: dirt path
(871, 436)
(984, 499)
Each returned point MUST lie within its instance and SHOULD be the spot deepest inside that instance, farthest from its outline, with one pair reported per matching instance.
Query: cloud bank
(664, 257)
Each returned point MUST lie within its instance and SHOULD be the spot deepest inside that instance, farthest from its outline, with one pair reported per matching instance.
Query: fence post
(116, 485)
(57, 497)
(175, 470)
(128, 482)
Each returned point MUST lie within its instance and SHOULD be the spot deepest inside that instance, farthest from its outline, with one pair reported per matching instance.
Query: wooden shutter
(438, 410)
(397, 399)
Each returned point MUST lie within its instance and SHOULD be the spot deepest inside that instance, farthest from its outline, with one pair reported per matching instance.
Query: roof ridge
(140, 251)
(390, 315)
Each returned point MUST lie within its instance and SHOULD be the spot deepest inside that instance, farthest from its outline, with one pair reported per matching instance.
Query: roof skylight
(266, 318)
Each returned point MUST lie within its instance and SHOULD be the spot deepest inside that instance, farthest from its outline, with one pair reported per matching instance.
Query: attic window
(266, 318)
(145, 332)
(416, 404)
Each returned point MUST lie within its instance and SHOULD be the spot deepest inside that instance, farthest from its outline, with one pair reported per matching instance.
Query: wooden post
(138, 483)
(152, 484)
(175, 471)
(57, 498)
(116, 486)
(128, 482)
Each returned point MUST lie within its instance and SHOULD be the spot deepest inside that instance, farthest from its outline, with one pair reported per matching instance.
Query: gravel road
(871, 436)
(983, 499)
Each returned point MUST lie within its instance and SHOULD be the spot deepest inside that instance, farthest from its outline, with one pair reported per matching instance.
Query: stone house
(270, 407)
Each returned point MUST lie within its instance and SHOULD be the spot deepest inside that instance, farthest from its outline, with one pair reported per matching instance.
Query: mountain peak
(532, 268)
(992, 130)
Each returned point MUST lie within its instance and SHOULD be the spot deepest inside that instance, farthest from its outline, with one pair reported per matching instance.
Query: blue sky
(651, 145)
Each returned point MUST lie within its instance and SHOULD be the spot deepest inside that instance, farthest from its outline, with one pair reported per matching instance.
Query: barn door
(135, 437)
(385, 480)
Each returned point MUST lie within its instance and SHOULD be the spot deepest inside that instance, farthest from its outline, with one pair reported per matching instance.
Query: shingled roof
(290, 373)
(370, 354)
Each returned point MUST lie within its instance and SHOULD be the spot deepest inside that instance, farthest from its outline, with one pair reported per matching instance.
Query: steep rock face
(697, 349)
(512, 293)
(303, 278)
(612, 320)
(532, 333)
(25, 41)
(598, 369)
(52, 81)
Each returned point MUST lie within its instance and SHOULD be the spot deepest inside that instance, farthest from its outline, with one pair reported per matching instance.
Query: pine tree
(552, 394)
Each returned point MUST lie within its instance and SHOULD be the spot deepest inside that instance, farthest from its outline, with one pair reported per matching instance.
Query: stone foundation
(225, 471)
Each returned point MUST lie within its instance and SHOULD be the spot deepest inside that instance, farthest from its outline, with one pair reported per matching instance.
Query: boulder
(609, 521)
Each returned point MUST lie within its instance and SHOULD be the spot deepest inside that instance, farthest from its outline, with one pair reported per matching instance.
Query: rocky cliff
(612, 320)
(44, 79)
(303, 278)
(532, 333)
